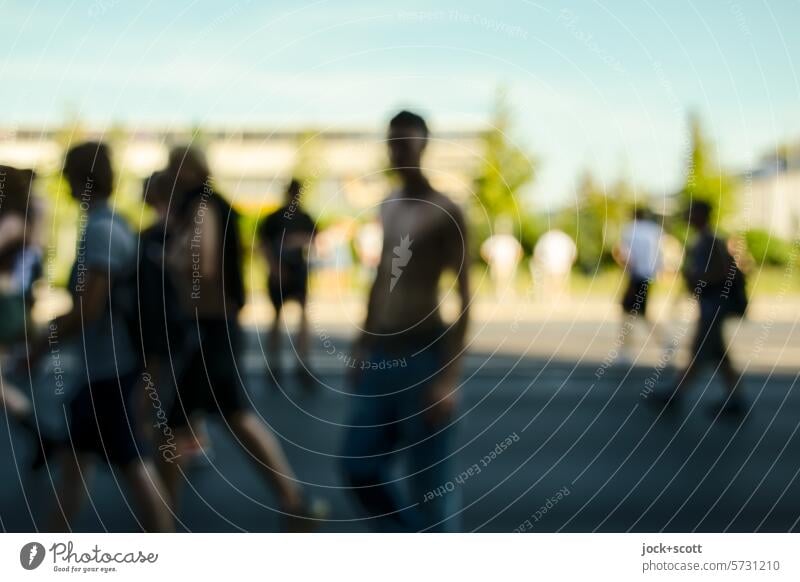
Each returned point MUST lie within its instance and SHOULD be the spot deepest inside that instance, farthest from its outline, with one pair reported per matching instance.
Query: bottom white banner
(400, 557)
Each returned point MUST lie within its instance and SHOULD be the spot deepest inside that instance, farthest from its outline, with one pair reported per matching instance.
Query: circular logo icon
(31, 555)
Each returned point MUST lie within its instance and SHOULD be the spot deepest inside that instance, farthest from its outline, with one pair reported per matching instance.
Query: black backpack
(737, 297)
(734, 285)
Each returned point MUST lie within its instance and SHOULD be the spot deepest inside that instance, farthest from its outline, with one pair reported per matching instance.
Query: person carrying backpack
(714, 278)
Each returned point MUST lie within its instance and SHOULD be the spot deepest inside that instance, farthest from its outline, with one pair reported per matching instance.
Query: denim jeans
(388, 429)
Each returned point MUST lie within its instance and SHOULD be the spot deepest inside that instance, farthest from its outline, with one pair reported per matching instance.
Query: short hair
(700, 209)
(189, 158)
(156, 189)
(90, 162)
(15, 189)
(640, 213)
(407, 119)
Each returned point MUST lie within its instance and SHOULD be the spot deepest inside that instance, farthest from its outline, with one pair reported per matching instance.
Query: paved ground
(624, 466)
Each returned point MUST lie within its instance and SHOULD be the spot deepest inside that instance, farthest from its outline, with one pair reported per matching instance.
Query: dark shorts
(708, 344)
(288, 289)
(210, 381)
(634, 301)
(102, 421)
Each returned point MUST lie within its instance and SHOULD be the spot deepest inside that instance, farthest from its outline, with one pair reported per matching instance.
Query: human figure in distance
(204, 256)
(713, 277)
(502, 252)
(553, 256)
(639, 254)
(406, 362)
(286, 236)
(101, 424)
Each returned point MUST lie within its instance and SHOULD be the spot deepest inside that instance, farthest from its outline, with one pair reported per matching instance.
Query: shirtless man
(406, 362)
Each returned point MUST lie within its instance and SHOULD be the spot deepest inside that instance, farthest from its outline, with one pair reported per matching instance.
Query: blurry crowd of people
(154, 318)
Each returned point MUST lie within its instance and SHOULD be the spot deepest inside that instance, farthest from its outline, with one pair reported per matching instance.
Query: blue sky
(599, 85)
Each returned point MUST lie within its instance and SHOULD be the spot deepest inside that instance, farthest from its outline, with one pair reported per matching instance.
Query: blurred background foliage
(501, 185)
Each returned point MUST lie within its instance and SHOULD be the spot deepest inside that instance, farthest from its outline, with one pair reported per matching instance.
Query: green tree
(597, 220)
(706, 180)
(505, 169)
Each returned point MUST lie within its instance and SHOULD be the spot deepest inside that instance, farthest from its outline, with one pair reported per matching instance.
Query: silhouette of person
(639, 254)
(405, 364)
(710, 272)
(286, 236)
(156, 291)
(163, 330)
(502, 252)
(107, 363)
(204, 256)
(551, 263)
(20, 268)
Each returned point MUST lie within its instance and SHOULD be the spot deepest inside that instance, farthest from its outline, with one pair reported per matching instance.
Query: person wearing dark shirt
(713, 278)
(204, 259)
(161, 325)
(285, 237)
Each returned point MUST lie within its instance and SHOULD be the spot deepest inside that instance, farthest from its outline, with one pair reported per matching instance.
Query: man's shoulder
(107, 220)
(110, 242)
(706, 243)
(271, 219)
(435, 203)
(446, 203)
(304, 217)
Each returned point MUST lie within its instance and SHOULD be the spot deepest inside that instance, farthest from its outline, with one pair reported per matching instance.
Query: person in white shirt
(639, 253)
(553, 257)
(502, 253)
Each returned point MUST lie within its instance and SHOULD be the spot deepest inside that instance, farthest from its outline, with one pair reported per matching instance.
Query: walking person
(502, 252)
(101, 425)
(20, 268)
(286, 236)
(551, 264)
(204, 256)
(639, 254)
(406, 363)
(163, 330)
(711, 273)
